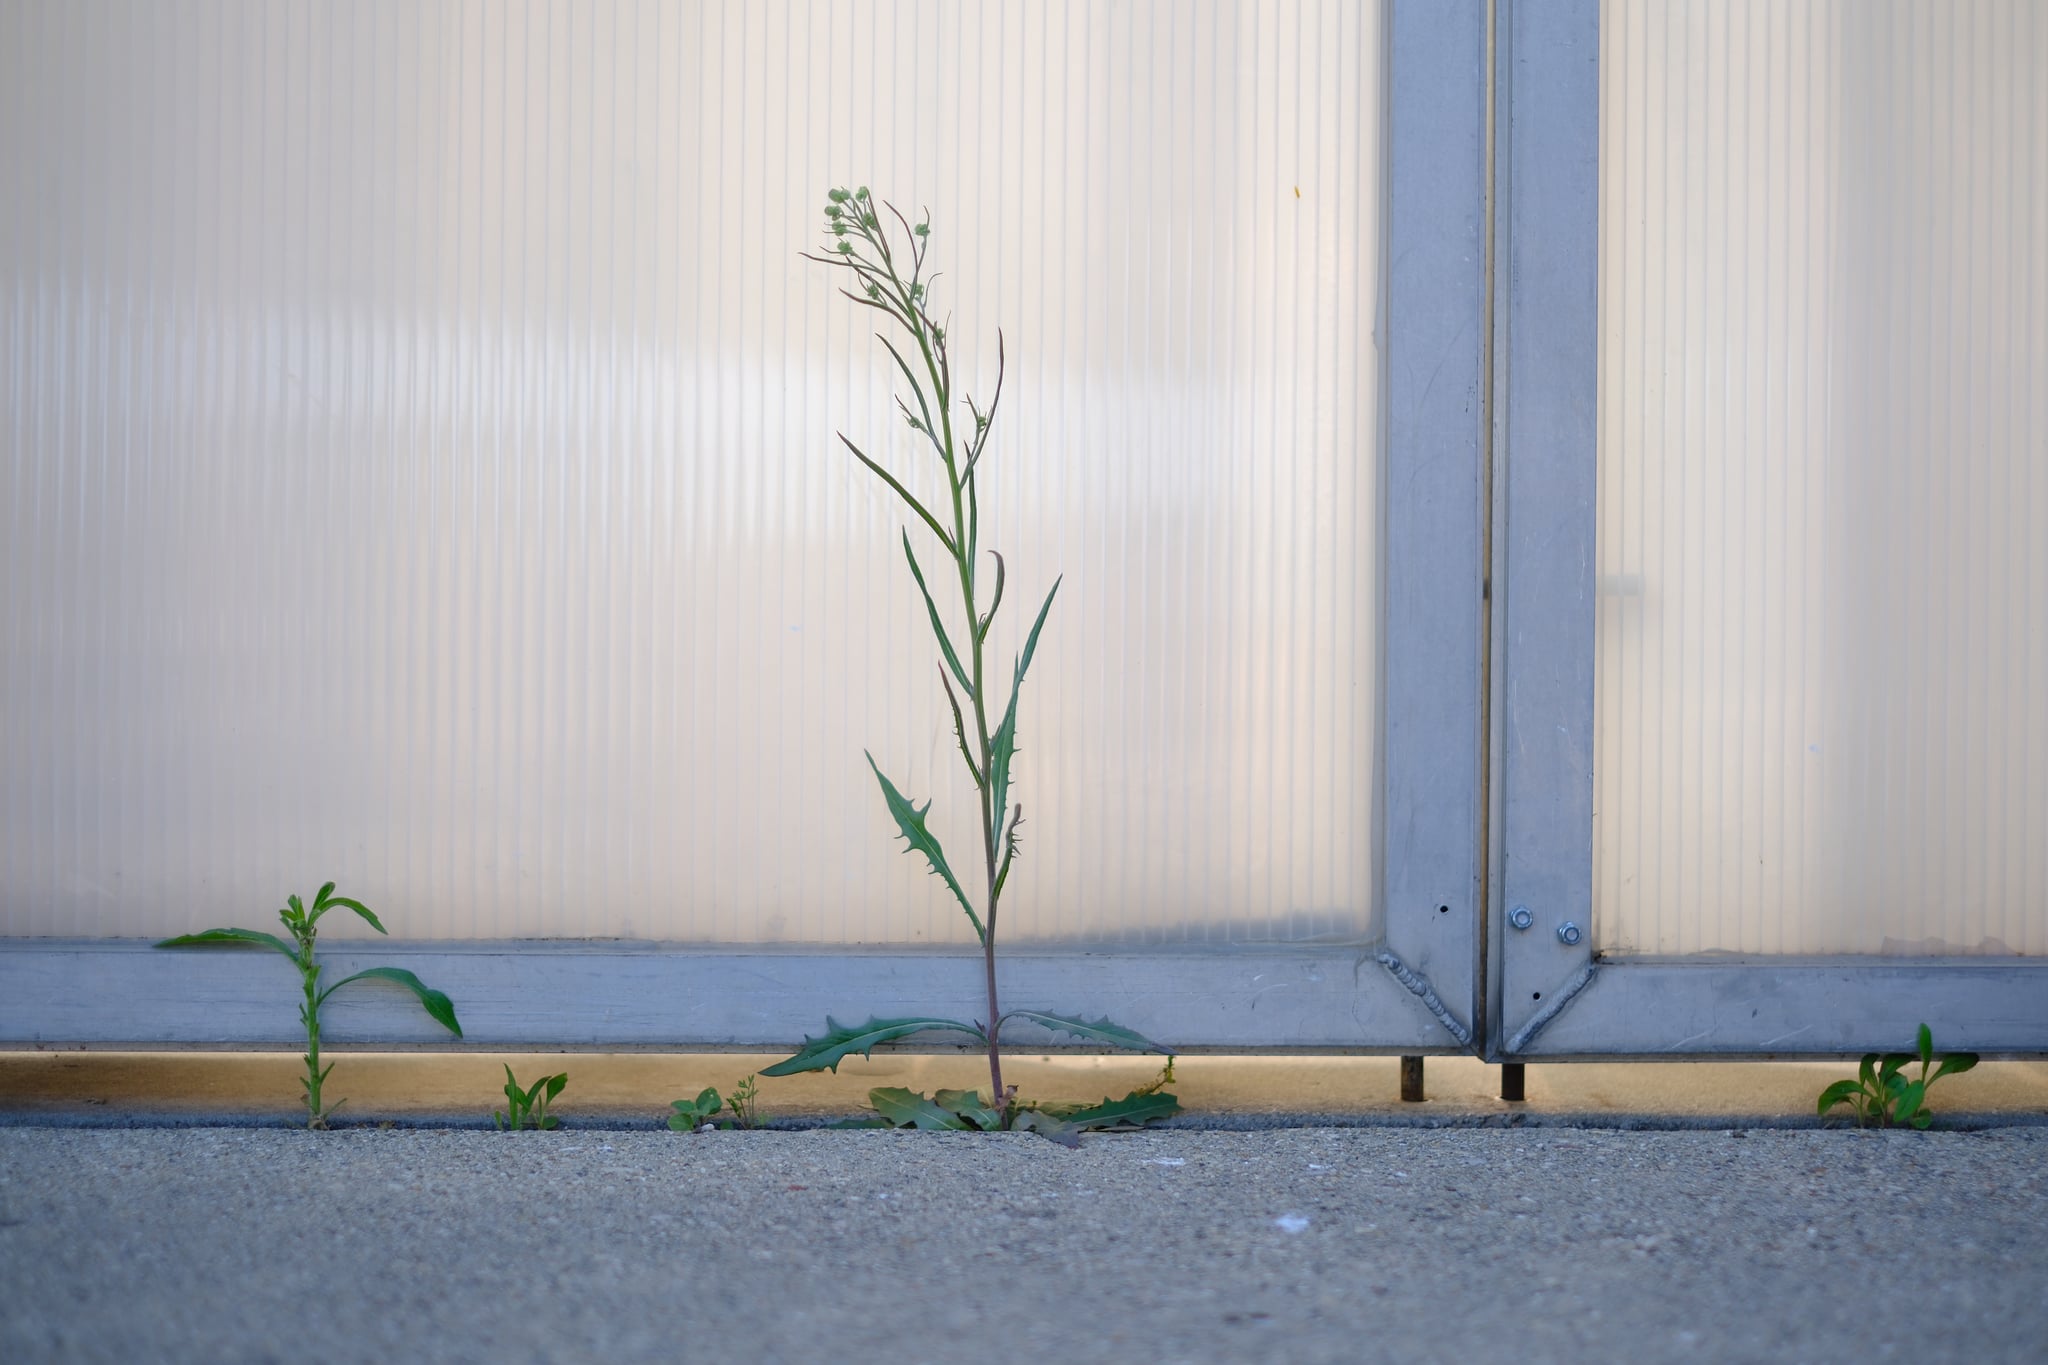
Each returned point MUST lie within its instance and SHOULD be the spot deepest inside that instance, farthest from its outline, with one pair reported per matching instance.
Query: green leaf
(1908, 1098)
(908, 1109)
(1031, 640)
(228, 938)
(1134, 1110)
(1046, 1126)
(903, 493)
(557, 1084)
(839, 1041)
(359, 908)
(995, 602)
(909, 378)
(1925, 1043)
(967, 1104)
(1093, 1031)
(910, 820)
(1892, 1064)
(1003, 747)
(938, 626)
(960, 733)
(432, 1001)
(1952, 1065)
(1867, 1072)
(1841, 1092)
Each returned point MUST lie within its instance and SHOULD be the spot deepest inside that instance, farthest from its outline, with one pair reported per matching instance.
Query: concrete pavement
(1304, 1244)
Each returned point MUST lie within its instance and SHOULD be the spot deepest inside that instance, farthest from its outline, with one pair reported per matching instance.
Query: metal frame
(542, 995)
(1410, 993)
(1549, 997)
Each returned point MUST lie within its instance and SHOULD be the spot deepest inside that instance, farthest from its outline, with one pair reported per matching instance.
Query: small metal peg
(1568, 934)
(1521, 917)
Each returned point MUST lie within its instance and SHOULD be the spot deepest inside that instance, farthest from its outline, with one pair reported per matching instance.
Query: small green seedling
(1881, 1097)
(744, 1102)
(743, 1105)
(303, 925)
(528, 1108)
(691, 1115)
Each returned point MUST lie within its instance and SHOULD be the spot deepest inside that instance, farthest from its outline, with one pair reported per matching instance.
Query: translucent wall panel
(1823, 620)
(418, 463)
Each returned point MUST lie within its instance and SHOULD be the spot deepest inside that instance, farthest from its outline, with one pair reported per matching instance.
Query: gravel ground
(1304, 1245)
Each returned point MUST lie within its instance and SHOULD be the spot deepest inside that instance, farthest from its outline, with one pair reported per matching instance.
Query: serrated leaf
(1134, 1110)
(1047, 1126)
(908, 1109)
(1092, 1030)
(225, 938)
(910, 821)
(938, 626)
(839, 1041)
(967, 1104)
(437, 1005)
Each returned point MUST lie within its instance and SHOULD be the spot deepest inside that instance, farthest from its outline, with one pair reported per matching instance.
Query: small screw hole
(1537, 995)
(1443, 909)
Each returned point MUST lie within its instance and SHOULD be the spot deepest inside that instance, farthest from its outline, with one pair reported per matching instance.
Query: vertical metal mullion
(1545, 335)
(1432, 514)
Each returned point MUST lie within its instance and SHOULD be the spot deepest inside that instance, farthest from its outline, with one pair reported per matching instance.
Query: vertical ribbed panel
(418, 463)
(1823, 626)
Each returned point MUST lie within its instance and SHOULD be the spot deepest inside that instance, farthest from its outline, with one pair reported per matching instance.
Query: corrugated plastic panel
(1823, 626)
(418, 463)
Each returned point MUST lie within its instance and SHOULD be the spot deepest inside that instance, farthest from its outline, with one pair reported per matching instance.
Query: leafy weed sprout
(303, 925)
(1880, 1096)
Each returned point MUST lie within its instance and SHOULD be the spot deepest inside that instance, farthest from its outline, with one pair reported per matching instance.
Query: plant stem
(310, 972)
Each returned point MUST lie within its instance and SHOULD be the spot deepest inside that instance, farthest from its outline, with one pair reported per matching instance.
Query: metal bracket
(1550, 1011)
(1419, 985)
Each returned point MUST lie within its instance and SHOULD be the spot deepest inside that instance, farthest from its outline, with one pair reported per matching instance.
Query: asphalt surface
(1310, 1244)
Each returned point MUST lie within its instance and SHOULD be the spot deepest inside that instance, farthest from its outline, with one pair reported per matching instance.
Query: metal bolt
(1521, 917)
(1568, 933)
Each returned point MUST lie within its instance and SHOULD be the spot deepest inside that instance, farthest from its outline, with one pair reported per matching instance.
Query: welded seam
(1418, 984)
(1552, 1010)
